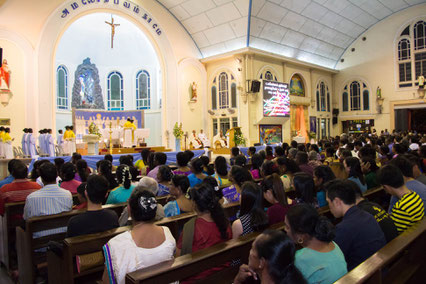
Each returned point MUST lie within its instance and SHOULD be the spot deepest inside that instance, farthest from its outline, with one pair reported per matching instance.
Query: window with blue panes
(61, 87)
(115, 91)
(143, 90)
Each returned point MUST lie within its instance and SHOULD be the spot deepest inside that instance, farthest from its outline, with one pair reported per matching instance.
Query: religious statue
(4, 76)
(5, 93)
(194, 92)
(87, 92)
(112, 30)
(421, 82)
(379, 93)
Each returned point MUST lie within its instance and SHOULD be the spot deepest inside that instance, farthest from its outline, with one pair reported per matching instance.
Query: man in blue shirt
(406, 168)
(358, 234)
(9, 178)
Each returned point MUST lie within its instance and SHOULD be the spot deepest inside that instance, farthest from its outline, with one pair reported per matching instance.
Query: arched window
(268, 75)
(143, 90)
(233, 95)
(223, 91)
(323, 97)
(419, 35)
(356, 96)
(224, 98)
(214, 97)
(115, 91)
(411, 54)
(297, 88)
(61, 87)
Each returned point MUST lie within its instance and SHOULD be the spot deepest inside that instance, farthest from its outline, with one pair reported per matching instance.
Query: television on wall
(276, 99)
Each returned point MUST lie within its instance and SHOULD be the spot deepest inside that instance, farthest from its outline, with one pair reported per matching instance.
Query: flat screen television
(276, 99)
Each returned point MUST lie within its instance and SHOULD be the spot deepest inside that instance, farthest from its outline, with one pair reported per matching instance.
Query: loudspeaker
(1, 57)
(334, 120)
(255, 86)
(335, 111)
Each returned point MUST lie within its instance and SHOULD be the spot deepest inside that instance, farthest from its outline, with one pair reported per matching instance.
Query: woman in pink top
(68, 171)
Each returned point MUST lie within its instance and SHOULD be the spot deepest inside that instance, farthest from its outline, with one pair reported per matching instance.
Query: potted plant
(178, 134)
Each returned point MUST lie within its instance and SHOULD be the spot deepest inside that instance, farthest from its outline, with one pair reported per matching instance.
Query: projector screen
(276, 99)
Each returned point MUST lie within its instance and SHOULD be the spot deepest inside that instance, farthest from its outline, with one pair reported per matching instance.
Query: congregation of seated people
(287, 184)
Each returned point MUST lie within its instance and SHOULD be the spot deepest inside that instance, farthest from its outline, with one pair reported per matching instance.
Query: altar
(119, 137)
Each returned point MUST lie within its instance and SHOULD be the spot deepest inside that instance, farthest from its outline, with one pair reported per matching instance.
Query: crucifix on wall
(112, 30)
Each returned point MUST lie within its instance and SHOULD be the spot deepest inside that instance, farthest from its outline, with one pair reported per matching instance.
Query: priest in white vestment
(203, 138)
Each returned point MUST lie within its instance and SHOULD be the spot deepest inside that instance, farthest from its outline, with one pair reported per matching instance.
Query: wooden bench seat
(401, 261)
(26, 244)
(192, 264)
(62, 269)
(179, 268)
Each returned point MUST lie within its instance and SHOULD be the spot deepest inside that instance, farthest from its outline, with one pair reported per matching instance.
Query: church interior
(116, 77)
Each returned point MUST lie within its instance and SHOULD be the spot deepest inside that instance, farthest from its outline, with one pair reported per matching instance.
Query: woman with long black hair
(353, 168)
(210, 227)
(252, 217)
(271, 260)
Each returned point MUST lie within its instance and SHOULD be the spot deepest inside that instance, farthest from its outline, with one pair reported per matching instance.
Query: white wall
(374, 61)
(15, 59)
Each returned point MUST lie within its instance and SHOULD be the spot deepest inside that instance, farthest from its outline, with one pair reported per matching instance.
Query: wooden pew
(401, 261)
(189, 265)
(62, 269)
(9, 222)
(26, 245)
(192, 264)
(179, 268)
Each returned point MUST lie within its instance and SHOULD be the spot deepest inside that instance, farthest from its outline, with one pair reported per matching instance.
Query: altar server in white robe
(8, 148)
(50, 143)
(31, 142)
(60, 141)
(202, 136)
(46, 141)
(24, 142)
(41, 142)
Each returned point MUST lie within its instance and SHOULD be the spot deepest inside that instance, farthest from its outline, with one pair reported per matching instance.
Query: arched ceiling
(314, 31)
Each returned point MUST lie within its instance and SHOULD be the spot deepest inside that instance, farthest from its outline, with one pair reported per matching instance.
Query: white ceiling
(315, 31)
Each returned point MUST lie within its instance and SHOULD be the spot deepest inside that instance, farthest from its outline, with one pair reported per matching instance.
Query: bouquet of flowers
(93, 129)
(178, 131)
(239, 138)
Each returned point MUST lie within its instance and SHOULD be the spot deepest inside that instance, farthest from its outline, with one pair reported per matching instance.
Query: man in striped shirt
(409, 209)
(48, 200)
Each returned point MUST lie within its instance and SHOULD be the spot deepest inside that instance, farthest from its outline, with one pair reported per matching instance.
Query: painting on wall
(296, 86)
(270, 134)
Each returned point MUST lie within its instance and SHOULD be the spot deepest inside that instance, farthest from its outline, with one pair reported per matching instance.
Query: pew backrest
(396, 262)
(192, 264)
(26, 244)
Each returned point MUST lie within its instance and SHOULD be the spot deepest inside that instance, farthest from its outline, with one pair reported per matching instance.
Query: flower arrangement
(178, 131)
(93, 129)
(239, 138)
(312, 135)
